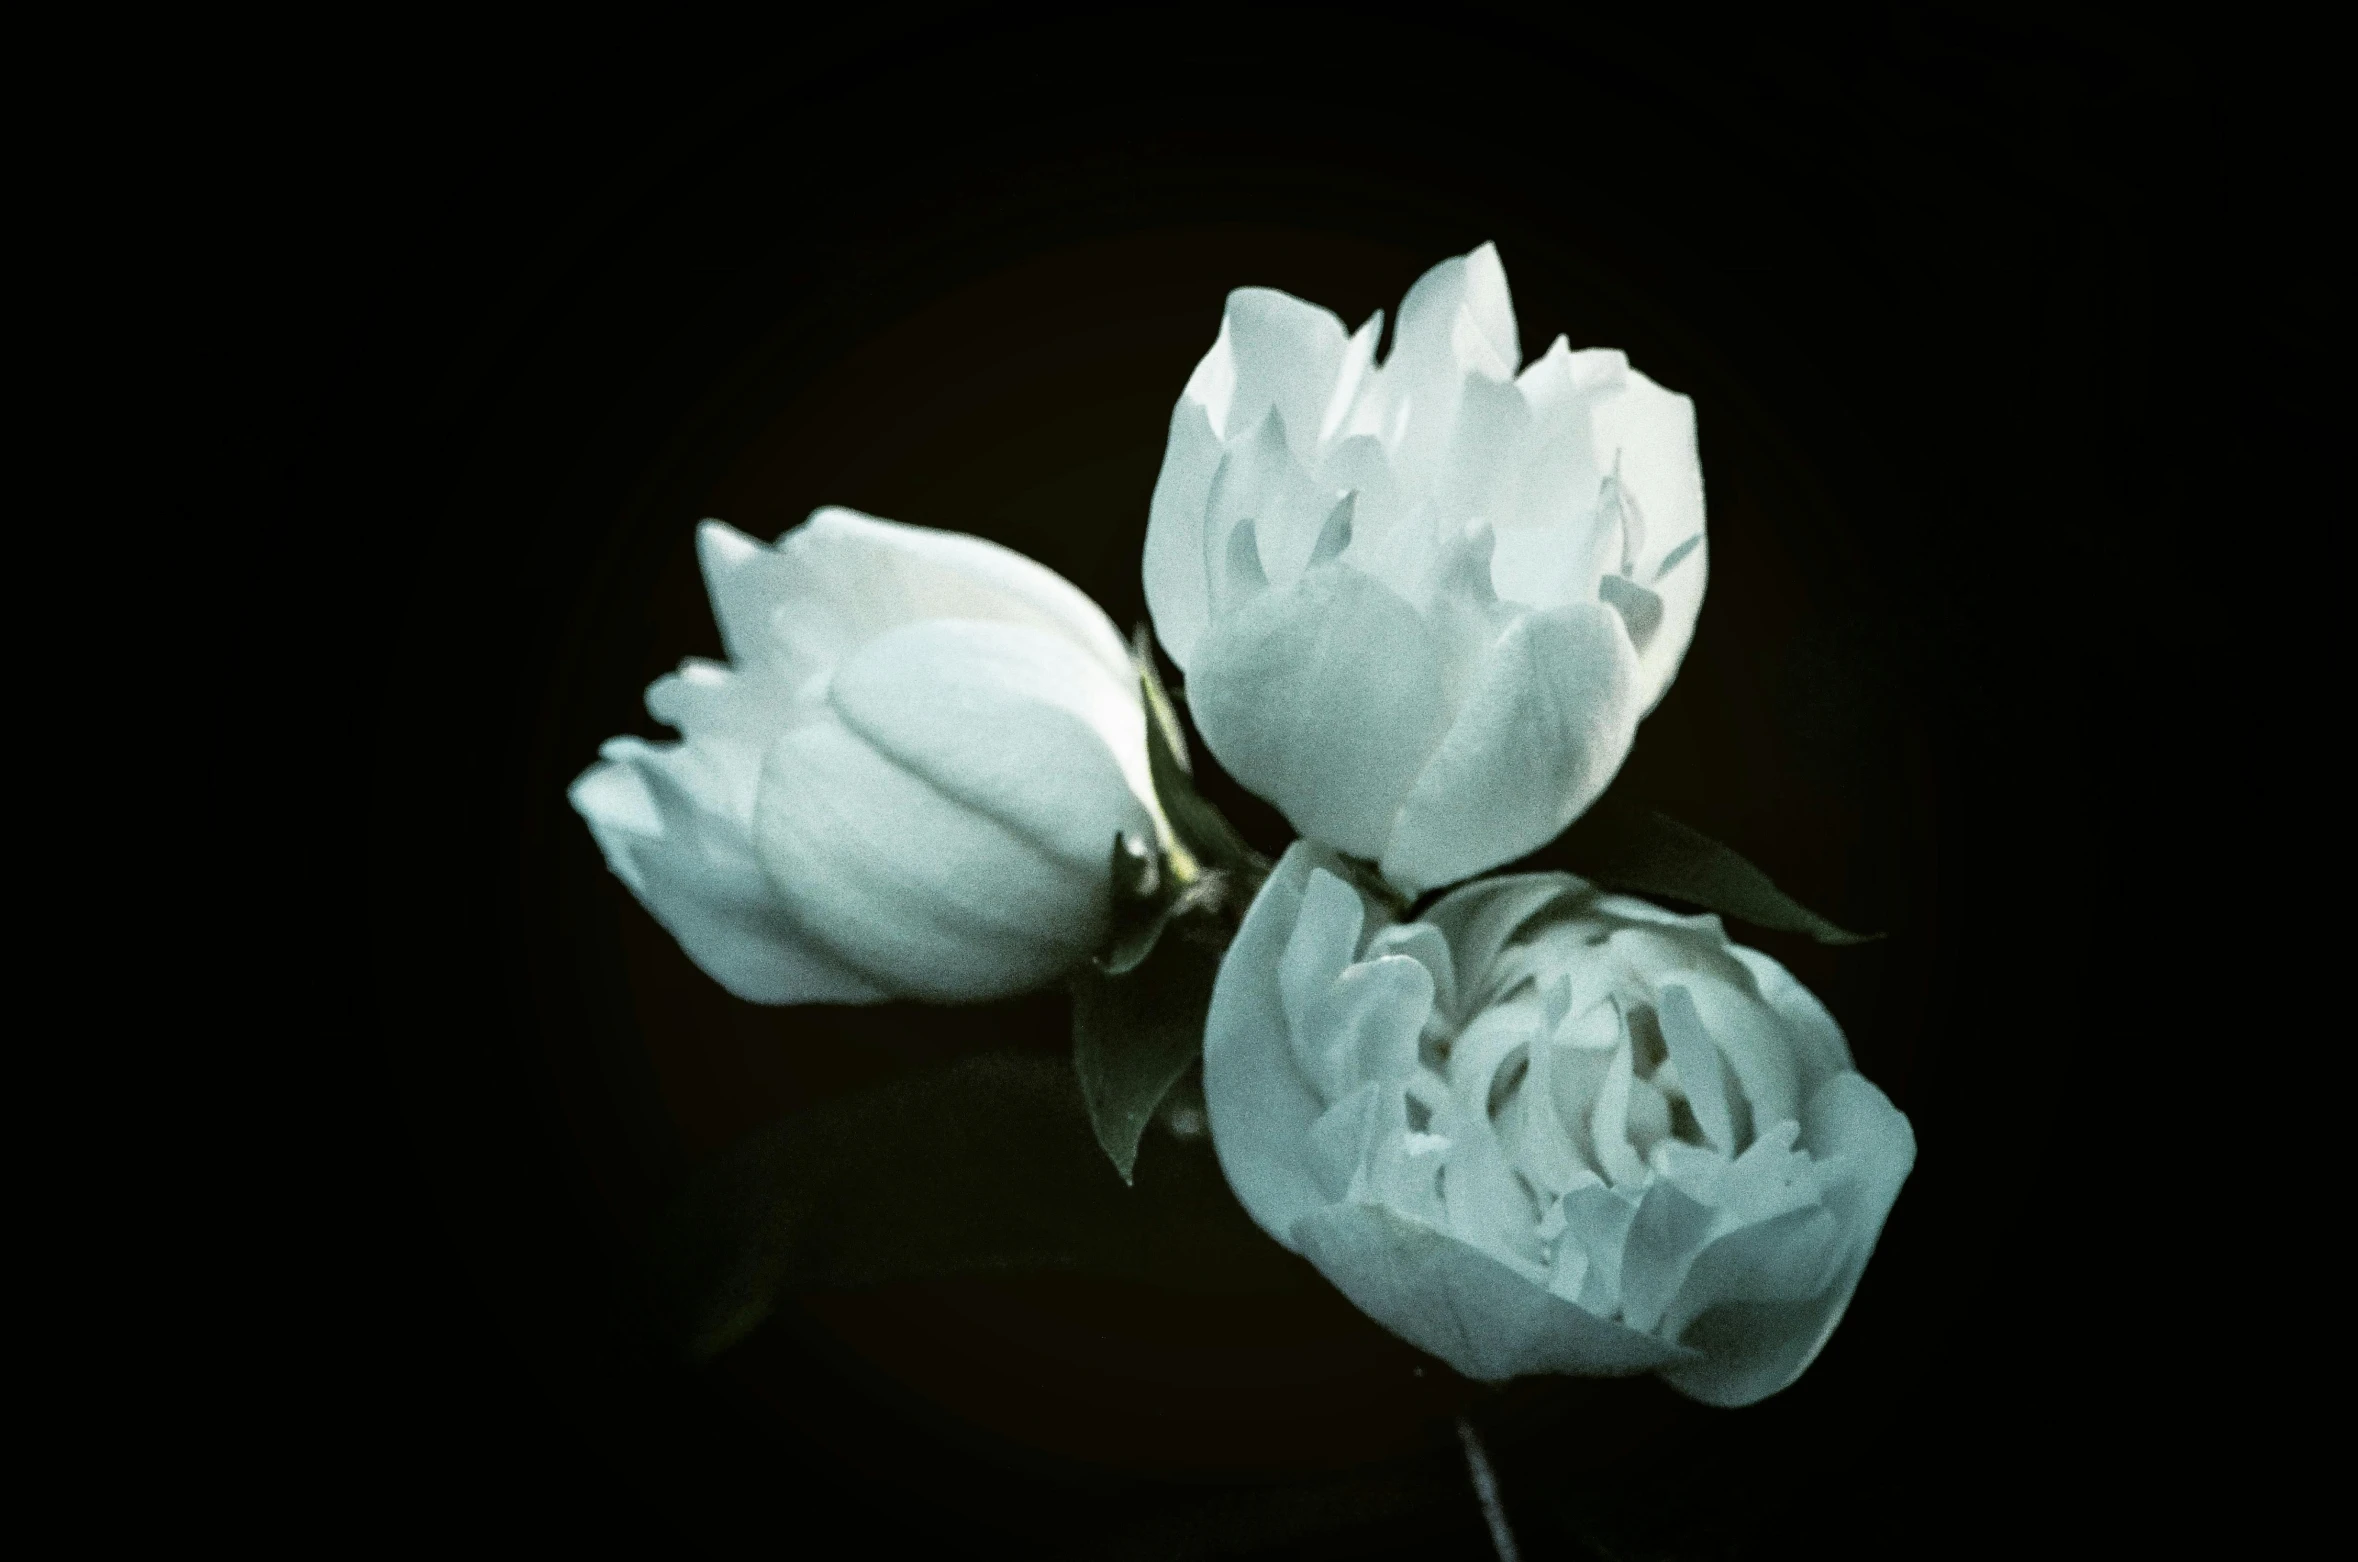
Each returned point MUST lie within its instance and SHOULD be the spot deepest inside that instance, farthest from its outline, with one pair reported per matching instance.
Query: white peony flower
(905, 783)
(1546, 1129)
(1422, 606)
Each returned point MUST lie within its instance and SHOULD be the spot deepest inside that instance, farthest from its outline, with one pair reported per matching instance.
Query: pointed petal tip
(721, 548)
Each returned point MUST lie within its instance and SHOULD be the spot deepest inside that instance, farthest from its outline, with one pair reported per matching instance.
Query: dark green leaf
(1626, 847)
(986, 1166)
(1133, 1036)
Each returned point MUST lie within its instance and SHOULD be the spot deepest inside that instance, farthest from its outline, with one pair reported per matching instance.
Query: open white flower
(1423, 605)
(1546, 1129)
(905, 783)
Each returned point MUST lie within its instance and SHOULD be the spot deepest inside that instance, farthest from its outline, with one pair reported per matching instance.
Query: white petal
(1213, 384)
(1819, 1051)
(1176, 588)
(1640, 609)
(1014, 722)
(1353, 380)
(1428, 319)
(1543, 731)
(1480, 917)
(1324, 699)
(745, 581)
(1423, 943)
(1609, 1123)
(694, 870)
(1401, 1169)
(1346, 1135)
(1596, 1222)
(1770, 1178)
(1490, 309)
(1670, 1228)
(1487, 1205)
(1361, 467)
(730, 717)
(852, 577)
(1462, 610)
(1546, 381)
(1667, 947)
(1288, 355)
(1459, 316)
(1652, 432)
(1542, 1144)
(1487, 1044)
(1749, 1350)
(1549, 551)
(1367, 1024)
(1486, 447)
(1757, 1043)
(1554, 542)
(1321, 945)
(1260, 1103)
(1781, 1260)
(1457, 332)
(928, 897)
(1575, 1079)
(1700, 1071)
(1259, 482)
(1483, 1318)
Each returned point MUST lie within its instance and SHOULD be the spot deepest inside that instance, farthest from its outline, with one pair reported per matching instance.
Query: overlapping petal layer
(1439, 503)
(904, 782)
(1546, 1129)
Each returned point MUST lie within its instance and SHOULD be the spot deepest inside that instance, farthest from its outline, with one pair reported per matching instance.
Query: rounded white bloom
(1423, 605)
(905, 782)
(1546, 1129)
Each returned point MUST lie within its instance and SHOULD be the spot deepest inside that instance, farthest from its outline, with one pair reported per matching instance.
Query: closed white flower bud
(1423, 605)
(1546, 1129)
(906, 781)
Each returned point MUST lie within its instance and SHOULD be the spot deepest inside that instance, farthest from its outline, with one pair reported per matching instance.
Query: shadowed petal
(926, 896)
(1464, 1306)
(1260, 1103)
(1324, 699)
(1751, 1349)
(1651, 431)
(1819, 1051)
(1177, 591)
(1015, 722)
(694, 871)
(1543, 730)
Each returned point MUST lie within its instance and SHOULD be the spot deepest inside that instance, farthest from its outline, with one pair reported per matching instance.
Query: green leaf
(1202, 829)
(1135, 1034)
(1627, 847)
(987, 1166)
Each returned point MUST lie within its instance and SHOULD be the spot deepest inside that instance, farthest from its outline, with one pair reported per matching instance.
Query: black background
(952, 267)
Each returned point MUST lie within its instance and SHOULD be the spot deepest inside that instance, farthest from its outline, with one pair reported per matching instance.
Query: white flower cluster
(1422, 606)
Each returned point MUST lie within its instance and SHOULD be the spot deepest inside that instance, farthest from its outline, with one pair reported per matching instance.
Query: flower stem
(1502, 1538)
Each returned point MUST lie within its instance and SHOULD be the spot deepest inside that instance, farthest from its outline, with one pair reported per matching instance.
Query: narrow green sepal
(1203, 831)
